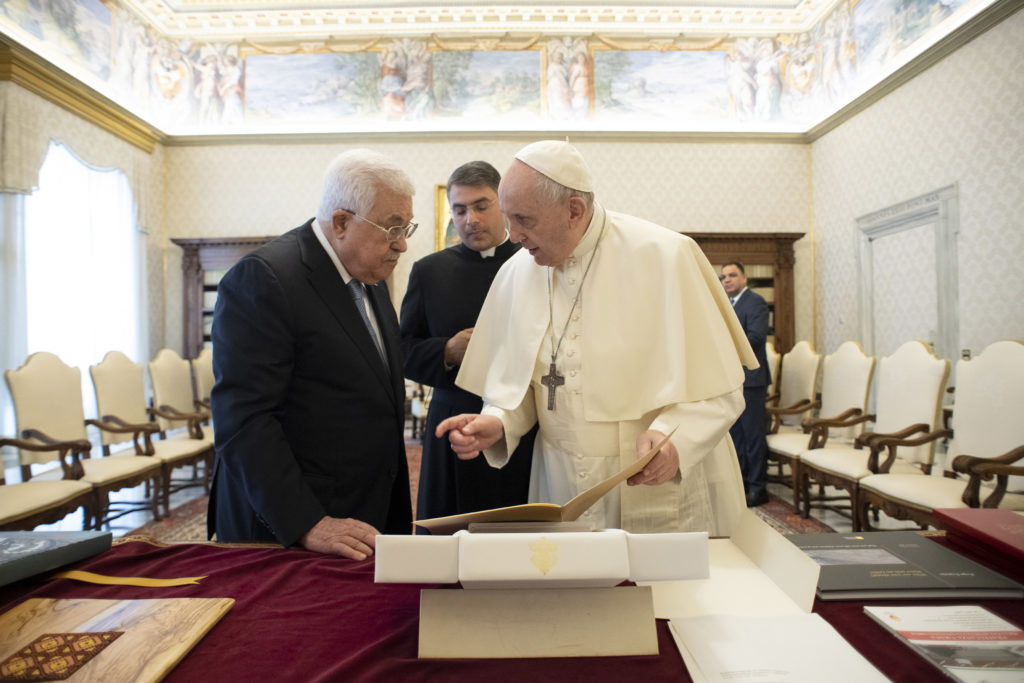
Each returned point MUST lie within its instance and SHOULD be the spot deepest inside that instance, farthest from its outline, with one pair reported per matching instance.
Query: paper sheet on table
(795, 648)
(542, 512)
(757, 572)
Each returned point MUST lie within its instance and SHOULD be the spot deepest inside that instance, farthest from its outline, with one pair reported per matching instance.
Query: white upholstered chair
(797, 375)
(774, 361)
(988, 432)
(47, 396)
(845, 384)
(121, 402)
(792, 398)
(203, 380)
(910, 386)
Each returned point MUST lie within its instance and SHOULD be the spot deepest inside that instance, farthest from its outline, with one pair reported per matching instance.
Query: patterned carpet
(187, 523)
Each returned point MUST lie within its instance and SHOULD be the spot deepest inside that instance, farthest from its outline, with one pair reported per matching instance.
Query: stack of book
(896, 565)
(994, 536)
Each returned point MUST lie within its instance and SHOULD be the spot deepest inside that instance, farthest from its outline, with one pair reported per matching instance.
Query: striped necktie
(359, 294)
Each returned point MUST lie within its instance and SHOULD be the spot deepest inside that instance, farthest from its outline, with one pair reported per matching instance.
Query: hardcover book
(966, 642)
(27, 553)
(896, 565)
(540, 512)
(993, 535)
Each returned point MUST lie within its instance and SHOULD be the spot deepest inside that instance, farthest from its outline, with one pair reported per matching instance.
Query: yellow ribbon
(89, 577)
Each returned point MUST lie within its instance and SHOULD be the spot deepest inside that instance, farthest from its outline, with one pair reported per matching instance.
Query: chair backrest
(47, 396)
(845, 384)
(202, 373)
(120, 391)
(910, 386)
(798, 373)
(172, 386)
(774, 359)
(988, 417)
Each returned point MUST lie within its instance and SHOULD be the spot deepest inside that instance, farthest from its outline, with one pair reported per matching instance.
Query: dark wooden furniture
(202, 264)
(773, 249)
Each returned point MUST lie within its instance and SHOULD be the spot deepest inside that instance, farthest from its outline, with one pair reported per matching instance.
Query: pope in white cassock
(609, 331)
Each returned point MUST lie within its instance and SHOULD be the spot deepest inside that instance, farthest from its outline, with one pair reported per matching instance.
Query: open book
(541, 512)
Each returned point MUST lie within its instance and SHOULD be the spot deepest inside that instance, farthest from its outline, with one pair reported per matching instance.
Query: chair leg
(167, 469)
(858, 513)
(155, 496)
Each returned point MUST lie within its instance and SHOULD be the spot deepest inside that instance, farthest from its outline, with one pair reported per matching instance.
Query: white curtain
(12, 302)
(72, 271)
(82, 265)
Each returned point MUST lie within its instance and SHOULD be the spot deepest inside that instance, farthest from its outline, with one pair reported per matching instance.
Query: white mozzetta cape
(657, 326)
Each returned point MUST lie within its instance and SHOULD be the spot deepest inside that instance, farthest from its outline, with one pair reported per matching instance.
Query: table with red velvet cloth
(299, 616)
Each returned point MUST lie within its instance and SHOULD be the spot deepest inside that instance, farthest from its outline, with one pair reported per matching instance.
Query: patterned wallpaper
(958, 122)
(901, 313)
(268, 189)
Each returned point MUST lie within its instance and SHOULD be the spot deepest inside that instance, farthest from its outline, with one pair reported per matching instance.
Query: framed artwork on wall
(444, 230)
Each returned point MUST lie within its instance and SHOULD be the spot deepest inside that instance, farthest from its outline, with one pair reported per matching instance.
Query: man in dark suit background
(309, 398)
(748, 433)
(445, 293)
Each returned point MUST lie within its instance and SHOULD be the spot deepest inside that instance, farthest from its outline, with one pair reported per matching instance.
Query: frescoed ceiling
(194, 68)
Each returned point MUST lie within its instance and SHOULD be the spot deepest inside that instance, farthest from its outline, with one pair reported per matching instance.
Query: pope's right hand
(469, 434)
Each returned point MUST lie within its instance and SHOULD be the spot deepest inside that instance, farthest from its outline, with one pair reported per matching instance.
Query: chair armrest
(868, 438)
(1000, 466)
(797, 408)
(170, 413)
(819, 426)
(115, 425)
(846, 415)
(70, 452)
(894, 442)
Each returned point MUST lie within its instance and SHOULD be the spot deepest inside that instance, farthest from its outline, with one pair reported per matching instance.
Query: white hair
(557, 193)
(352, 180)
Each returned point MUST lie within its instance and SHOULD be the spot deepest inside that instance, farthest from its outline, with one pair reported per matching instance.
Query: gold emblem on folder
(543, 555)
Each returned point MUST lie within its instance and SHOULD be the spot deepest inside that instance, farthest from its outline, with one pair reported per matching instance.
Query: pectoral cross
(552, 381)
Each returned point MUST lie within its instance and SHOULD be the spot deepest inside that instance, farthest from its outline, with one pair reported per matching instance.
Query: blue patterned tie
(358, 293)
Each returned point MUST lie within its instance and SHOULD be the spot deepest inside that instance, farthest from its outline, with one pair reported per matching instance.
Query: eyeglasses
(395, 232)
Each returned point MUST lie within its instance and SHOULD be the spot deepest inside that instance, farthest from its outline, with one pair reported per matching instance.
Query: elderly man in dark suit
(446, 291)
(309, 400)
(748, 433)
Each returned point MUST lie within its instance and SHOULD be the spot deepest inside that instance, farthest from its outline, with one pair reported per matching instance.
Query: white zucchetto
(559, 161)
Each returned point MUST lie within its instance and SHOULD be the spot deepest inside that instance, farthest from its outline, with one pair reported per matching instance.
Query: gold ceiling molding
(312, 47)
(659, 44)
(486, 44)
(31, 72)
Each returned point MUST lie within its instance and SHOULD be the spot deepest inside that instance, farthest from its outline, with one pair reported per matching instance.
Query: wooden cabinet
(203, 262)
(768, 260)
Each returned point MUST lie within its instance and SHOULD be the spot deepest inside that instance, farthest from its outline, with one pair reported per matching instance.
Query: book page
(542, 512)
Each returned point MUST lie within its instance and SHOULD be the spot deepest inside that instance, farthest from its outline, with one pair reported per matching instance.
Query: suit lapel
(387, 322)
(327, 282)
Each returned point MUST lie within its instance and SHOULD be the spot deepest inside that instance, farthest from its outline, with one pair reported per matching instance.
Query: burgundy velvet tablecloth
(299, 616)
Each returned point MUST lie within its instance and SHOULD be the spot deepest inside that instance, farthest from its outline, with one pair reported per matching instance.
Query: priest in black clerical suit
(445, 293)
(749, 432)
(308, 399)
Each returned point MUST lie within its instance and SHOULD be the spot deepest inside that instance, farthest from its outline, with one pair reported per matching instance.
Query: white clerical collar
(593, 233)
(322, 239)
(489, 253)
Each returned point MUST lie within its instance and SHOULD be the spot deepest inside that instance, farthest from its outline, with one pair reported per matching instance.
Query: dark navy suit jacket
(309, 421)
(752, 310)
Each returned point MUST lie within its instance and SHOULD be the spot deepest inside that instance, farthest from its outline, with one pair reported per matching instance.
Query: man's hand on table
(346, 537)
